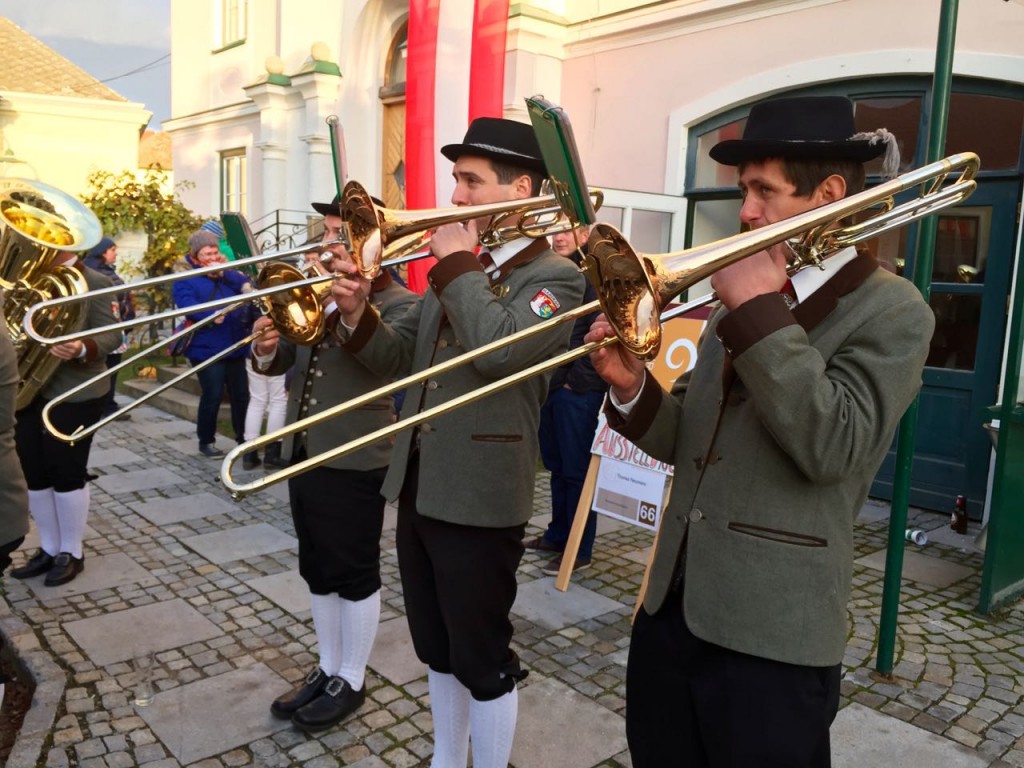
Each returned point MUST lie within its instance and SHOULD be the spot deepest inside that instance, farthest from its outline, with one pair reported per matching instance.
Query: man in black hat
(337, 508)
(775, 435)
(464, 480)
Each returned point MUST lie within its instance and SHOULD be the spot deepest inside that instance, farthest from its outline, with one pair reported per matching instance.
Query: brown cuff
(92, 352)
(451, 267)
(752, 321)
(331, 324)
(364, 330)
(642, 415)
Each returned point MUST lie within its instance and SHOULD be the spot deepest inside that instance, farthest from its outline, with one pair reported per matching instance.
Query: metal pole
(937, 122)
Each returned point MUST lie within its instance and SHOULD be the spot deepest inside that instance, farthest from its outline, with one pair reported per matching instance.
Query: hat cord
(891, 159)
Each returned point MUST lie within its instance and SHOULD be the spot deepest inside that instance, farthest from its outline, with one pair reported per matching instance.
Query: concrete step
(175, 401)
(190, 384)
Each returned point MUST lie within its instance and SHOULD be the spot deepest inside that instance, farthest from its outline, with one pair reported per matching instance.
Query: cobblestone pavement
(959, 675)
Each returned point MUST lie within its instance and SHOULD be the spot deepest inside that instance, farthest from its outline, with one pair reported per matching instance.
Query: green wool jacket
(774, 454)
(477, 462)
(99, 312)
(325, 375)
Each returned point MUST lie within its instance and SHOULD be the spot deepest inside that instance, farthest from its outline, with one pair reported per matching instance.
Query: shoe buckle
(334, 686)
(314, 675)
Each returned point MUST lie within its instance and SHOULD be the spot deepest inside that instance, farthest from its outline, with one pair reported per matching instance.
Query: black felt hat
(332, 208)
(504, 141)
(800, 128)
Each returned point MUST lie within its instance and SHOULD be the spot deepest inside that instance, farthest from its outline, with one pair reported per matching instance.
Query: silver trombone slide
(83, 431)
(172, 313)
(241, 490)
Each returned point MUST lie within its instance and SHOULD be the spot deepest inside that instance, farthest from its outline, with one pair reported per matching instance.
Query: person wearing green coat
(776, 435)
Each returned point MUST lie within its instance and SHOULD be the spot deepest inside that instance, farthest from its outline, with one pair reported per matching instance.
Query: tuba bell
(37, 222)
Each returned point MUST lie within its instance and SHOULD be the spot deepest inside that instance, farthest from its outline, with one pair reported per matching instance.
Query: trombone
(376, 232)
(373, 234)
(300, 319)
(633, 289)
(372, 231)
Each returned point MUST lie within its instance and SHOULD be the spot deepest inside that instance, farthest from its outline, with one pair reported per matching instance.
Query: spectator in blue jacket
(214, 338)
(568, 421)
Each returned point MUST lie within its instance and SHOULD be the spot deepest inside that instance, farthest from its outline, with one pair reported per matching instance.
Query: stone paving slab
(191, 447)
(163, 511)
(161, 428)
(217, 714)
(393, 657)
(965, 542)
(639, 556)
(862, 737)
(921, 568)
(538, 601)
(116, 456)
(137, 480)
(240, 543)
(103, 572)
(873, 512)
(559, 727)
(122, 635)
(287, 590)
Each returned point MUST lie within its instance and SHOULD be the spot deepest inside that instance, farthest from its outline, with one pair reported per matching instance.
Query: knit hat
(100, 248)
(200, 240)
(213, 226)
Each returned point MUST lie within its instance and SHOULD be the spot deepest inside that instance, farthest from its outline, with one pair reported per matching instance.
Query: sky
(109, 39)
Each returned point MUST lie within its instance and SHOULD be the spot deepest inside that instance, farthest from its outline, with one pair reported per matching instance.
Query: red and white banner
(455, 72)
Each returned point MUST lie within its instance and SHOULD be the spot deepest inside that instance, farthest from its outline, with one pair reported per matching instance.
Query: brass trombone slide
(633, 288)
(374, 231)
(173, 313)
(83, 431)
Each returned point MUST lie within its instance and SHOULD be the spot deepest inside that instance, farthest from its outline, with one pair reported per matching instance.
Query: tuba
(37, 222)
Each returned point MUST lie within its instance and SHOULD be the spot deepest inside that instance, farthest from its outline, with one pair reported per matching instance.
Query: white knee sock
(72, 512)
(359, 620)
(327, 624)
(449, 706)
(493, 726)
(44, 512)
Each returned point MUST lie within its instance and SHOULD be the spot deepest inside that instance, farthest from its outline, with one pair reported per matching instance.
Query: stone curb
(23, 645)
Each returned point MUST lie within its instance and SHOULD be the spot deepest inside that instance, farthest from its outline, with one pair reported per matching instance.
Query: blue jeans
(568, 421)
(212, 380)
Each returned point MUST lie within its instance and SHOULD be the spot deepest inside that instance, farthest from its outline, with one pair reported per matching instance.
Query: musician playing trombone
(775, 435)
(464, 481)
(337, 508)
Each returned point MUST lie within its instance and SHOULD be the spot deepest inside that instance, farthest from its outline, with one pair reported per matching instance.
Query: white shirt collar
(504, 253)
(810, 278)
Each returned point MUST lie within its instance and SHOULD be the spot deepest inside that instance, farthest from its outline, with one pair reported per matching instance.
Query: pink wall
(621, 99)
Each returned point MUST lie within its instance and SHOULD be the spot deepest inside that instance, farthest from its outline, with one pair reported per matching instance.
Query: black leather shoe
(542, 544)
(273, 458)
(337, 702)
(65, 568)
(251, 460)
(211, 451)
(39, 563)
(285, 706)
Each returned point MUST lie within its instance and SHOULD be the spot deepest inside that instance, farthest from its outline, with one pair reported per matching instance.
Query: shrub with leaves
(141, 202)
